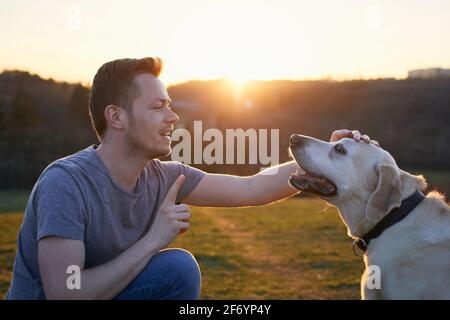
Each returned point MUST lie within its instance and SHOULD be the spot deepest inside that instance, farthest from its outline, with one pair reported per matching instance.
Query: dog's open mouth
(312, 183)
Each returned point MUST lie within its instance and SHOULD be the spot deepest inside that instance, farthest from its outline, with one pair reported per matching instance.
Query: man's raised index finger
(171, 196)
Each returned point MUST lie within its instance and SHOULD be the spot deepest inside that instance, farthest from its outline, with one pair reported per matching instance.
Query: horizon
(237, 40)
(231, 81)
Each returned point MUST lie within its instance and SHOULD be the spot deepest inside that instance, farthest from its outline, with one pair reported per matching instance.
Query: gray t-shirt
(77, 198)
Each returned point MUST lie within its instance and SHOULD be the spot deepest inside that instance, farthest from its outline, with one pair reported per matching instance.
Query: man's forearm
(109, 279)
(272, 184)
(220, 190)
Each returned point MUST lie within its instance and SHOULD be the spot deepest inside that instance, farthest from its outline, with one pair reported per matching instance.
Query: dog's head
(352, 174)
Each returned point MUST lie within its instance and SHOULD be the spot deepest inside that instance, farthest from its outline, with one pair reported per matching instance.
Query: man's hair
(113, 84)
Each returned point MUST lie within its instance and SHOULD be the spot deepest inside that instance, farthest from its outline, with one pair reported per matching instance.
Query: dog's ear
(387, 194)
(411, 182)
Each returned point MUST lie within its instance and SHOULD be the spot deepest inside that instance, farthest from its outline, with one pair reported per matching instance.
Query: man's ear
(387, 194)
(114, 116)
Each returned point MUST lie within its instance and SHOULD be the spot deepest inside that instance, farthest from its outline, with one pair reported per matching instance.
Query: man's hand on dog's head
(354, 134)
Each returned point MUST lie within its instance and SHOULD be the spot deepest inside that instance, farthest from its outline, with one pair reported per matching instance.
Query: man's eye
(339, 148)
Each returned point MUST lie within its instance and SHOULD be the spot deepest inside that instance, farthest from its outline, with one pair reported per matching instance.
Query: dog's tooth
(300, 170)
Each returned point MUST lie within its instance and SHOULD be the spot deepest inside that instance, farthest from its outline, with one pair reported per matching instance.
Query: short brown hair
(113, 84)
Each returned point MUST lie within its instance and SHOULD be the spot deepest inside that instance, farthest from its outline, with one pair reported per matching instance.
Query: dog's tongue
(324, 187)
(306, 181)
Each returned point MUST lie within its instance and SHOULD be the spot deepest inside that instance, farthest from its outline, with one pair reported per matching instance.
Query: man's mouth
(167, 133)
(312, 183)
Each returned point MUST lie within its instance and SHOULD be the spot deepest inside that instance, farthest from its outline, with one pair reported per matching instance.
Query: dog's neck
(352, 211)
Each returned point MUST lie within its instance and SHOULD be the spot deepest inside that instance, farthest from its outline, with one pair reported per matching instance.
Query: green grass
(294, 249)
(9, 227)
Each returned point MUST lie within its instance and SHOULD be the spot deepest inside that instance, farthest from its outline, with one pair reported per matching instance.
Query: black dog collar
(391, 218)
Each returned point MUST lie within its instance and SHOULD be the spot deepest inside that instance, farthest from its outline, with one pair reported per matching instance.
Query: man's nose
(297, 140)
(172, 117)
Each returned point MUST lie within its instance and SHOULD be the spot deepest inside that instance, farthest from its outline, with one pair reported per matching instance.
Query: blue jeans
(172, 274)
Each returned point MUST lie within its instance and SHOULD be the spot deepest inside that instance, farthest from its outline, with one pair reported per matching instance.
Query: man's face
(150, 120)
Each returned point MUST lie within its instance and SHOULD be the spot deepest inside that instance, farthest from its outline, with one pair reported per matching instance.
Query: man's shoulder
(165, 164)
(173, 169)
(69, 167)
(156, 164)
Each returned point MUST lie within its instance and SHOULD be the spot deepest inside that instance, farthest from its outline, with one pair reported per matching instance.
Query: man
(97, 221)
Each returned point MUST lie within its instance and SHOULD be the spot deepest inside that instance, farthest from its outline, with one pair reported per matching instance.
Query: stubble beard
(138, 146)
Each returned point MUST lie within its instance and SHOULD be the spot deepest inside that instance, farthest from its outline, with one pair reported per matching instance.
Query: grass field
(294, 249)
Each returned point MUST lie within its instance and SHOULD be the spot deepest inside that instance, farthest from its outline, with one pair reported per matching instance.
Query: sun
(238, 81)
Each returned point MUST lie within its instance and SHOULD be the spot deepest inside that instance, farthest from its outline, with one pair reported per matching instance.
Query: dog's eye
(339, 148)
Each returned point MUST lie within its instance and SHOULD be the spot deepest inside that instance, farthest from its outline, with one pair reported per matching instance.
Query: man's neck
(124, 165)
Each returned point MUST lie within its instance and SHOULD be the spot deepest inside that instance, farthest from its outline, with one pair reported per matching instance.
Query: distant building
(431, 73)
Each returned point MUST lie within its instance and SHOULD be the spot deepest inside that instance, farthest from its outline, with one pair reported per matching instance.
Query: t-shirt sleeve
(172, 170)
(59, 206)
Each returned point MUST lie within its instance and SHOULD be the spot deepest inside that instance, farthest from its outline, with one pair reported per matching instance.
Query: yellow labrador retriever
(401, 232)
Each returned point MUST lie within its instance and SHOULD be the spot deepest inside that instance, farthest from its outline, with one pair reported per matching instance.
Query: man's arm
(269, 185)
(220, 190)
(102, 282)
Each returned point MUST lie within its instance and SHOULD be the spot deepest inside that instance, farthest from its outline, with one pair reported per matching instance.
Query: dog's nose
(296, 140)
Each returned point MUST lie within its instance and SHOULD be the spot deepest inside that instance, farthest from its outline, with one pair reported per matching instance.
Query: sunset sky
(238, 39)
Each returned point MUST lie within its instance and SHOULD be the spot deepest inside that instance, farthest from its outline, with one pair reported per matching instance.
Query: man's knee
(185, 276)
